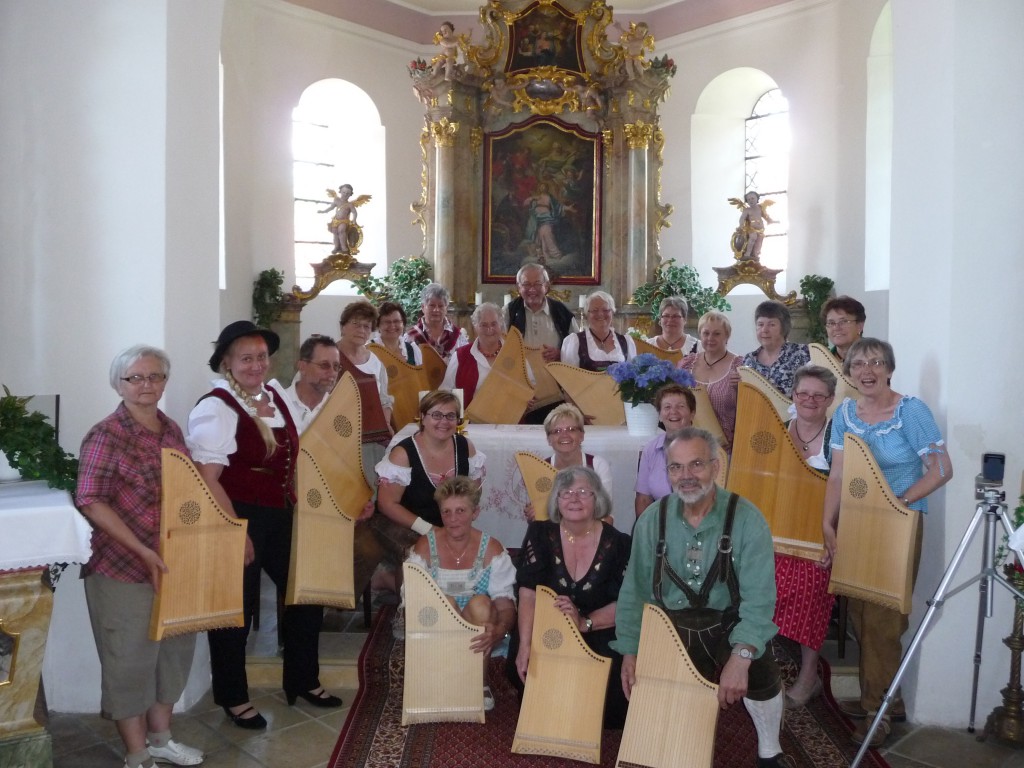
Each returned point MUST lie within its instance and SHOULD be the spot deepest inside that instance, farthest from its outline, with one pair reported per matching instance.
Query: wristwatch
(743, 652)
(588, 624)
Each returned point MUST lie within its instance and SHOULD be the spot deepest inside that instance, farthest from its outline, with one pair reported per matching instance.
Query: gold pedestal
(25, 607)
(1006, 723)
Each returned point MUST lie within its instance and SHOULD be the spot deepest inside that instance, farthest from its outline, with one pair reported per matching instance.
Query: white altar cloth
(39, 526)
(504, 493)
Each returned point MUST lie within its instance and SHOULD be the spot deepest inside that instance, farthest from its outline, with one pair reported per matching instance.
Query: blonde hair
(265, 431)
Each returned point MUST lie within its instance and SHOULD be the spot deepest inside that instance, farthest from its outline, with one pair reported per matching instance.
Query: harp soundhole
(763, 442)
(313, 498)
(552, 639)
(189, 512)
(544, 484)
(343, 426)
(858, 487)
(427, 616)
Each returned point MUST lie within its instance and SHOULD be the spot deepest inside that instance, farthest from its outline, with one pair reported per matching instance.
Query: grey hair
(126, 358)
(603, 295)
(866, 344)
(824, 375)
(692, 433)
(478, 314)
(434, 291)
(521, 274)
(675, 301)
(565, 478)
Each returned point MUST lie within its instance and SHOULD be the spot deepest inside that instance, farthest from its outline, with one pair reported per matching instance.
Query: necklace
(807, 443)
(712, 365)
(603, 341)
(572, 537)
(672, 344)
(458, 558)
(490, 355)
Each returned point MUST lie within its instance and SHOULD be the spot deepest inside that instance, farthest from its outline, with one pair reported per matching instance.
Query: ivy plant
(816, 290)
(267, 297)
(403, 284)
(30, 443)
(671, 279)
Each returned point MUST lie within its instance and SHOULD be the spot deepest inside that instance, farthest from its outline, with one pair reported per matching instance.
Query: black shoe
(322, 699)
(781, 760)
(253, 723)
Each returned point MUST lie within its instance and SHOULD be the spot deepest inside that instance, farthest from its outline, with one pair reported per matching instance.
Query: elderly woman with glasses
(583, 561)
(391, 331)
(599, 345)
(844, 319)
(434, 327)
(119, 491)
(672, 320)
(776, 359)
(472, 569)
(470, 365)
(908, 446)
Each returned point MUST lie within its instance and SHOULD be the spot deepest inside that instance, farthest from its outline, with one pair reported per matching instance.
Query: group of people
(243, 436)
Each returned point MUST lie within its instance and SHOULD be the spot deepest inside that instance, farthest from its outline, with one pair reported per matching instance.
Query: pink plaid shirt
(120, 466)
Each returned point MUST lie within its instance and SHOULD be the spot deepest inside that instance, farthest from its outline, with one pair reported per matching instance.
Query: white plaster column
(444, 132)
(638, 139)
(955, 307)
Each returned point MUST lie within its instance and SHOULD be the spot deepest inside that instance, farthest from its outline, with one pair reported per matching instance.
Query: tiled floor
(304, 736)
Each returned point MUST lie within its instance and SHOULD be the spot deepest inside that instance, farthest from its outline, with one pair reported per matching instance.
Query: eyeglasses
(695, 467)
(877, 362)
(531, 285)
(576, 493)
(815, 396)
(153, 378)
(439, 416)
(565, 430)
(663, 318)
(325, 366)
(838, 323)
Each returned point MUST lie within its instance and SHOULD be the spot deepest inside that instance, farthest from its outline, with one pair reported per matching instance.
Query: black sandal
(252, 723)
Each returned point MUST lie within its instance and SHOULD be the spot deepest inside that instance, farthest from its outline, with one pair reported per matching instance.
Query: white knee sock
(767, 717)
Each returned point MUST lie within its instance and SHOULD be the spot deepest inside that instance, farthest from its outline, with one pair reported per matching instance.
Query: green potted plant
(267, 297)
(816, 289)
(671, 279)
(402, 285)
(30, 444)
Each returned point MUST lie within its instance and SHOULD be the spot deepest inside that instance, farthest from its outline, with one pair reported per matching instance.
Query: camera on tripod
(991, 478)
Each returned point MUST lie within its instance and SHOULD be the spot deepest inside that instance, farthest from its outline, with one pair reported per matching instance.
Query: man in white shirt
(318, 369)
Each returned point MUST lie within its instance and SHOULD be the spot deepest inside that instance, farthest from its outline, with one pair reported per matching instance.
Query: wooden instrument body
(673, 711)
(405, 382)
(546, 390)
(672, 355)
(204, 550)
(593, 393)
(779, 401)
(444, 679)
(768, 469)
(705, 417)
(503, 396)
(332, 492)
(564, 673)
(844, 385)
(434, 366)
(539, 477)
(876, 535)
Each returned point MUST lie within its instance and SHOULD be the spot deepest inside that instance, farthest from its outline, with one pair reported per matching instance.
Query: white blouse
(212, 425)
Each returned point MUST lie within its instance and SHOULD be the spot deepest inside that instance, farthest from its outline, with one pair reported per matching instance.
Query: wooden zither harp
(592, 392)
(779, 401)
(673, 711)
(562, 669)
(204, 549)
(768, 470)
(405, 382)
(705, 417)
(546, 390)
(844, 385)
(332, 492)
(444, 679)
(876, 534)
(503, 396)
(434, 367)
(672, 355)
(539, 477)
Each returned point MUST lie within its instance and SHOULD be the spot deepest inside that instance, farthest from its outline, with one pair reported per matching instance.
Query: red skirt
(803, 606)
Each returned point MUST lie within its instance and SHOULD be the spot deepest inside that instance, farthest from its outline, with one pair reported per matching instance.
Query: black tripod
(991, 510)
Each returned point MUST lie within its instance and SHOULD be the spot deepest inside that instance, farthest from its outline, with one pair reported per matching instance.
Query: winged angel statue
(347, 233)
(749, 234)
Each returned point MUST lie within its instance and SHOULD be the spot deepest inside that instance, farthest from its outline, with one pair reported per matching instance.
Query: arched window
(766, 169)
(337, 138)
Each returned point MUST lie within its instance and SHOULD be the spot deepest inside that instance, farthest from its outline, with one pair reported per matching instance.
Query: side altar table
(39, 526)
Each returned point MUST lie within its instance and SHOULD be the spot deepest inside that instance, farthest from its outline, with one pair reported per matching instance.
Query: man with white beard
(718, 553)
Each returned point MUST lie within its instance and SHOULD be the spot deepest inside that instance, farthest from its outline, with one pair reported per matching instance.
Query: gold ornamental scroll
(768, 469)
(434, 367)
(405, 382)
(668, 692)
(503, 396)
(844, 385)
(444, 679)
(332, 492)
(778, 400)
(204, 549)
(562, 669)
(539, 477)
(672, 355)
(705, 416)
(876, 535)
(547, 390)
(593, 393)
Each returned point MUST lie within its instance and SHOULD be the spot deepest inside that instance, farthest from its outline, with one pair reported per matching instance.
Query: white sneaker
(488, 699)
(176, 753)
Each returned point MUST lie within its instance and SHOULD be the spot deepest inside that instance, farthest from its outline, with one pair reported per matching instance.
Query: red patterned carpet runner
(816, 736)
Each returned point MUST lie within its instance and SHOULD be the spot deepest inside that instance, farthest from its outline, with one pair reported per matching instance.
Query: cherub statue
(448, 59)
(749, 235)
(634, 41)
(501, 94)
(589, 95)
(344, 215)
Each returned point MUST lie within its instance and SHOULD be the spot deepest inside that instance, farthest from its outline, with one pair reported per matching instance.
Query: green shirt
(753, 558)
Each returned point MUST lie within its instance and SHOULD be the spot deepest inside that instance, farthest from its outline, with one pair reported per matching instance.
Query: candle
(478, 299)
(508, 299)
(583, 300)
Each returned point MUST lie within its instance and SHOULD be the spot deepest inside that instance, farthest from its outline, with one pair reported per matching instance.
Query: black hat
(237, 330)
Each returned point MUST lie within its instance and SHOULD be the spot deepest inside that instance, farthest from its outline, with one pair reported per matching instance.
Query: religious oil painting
(542, 200)
(545, 36)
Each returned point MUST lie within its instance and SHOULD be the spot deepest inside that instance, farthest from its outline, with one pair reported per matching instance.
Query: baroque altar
(542, 144)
